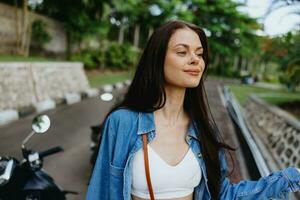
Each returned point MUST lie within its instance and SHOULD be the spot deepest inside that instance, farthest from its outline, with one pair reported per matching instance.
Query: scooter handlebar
(51, 151)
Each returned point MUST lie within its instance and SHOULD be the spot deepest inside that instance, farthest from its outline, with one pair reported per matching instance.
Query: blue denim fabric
(112, 175)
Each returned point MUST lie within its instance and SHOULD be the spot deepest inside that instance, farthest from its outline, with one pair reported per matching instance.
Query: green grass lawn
(242, 92)
(9, 58)
(271, 96)
(96, 80)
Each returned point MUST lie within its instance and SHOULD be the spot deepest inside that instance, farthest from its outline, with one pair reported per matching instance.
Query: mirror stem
(27, 138)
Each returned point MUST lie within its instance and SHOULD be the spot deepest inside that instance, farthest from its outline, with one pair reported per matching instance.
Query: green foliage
(91, 58)
(81, 18)
(291, 75)
(131, 55)
(284, 51)
(116, 56)
(224, 72)
(121, 56)
(86, 57)
(231, 33)
(39, 35)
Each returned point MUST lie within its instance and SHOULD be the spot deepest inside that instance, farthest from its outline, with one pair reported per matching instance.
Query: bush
(39, 36)
(122, 56)
(226, 72)
(269, 78)
(290, 76)
(85, 57)
(131, 55)
(232, 73)
(92, 59)
(99, 58)
(116, 56)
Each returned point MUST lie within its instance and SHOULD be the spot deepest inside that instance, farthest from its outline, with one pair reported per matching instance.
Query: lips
(193, 72)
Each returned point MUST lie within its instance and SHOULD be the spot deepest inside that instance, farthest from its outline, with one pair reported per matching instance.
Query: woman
(166, 101)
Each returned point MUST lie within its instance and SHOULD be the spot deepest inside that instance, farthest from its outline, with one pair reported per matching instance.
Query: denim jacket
(112, 175)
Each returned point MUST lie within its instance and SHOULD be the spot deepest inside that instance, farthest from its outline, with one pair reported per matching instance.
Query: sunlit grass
(14, 58)
(272, 96)
(97, 80)
(242, 92)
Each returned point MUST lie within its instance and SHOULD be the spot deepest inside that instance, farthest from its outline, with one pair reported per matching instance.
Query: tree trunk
(24, 27)
(17, 29)
(136, 35)
(244, 63)
(235, 63)
(248, 66)
(121, 34)
(28, 36)
(68, 50)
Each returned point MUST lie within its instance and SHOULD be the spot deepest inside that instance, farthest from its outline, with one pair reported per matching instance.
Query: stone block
(92, 92)
(7, 116)
(107, 88)
(42, 106)
(119, 85)
(72, 98)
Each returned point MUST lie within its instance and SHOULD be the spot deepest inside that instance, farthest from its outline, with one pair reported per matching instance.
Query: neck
(173, 111)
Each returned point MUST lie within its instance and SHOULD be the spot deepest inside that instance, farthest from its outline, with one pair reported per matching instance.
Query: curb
(8, 116)
(11, 115)
(72, 97)
(42, 106)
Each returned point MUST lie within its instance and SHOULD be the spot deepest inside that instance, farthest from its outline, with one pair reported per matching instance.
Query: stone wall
(278, 130)
(26, 83)
(10, 20)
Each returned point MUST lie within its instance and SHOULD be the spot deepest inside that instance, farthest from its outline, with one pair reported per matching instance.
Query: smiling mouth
(192, 72)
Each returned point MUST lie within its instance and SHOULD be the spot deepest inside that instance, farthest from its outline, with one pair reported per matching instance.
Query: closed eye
(181, 53)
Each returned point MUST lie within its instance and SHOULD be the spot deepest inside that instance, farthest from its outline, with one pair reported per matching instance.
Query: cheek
(174, 63)
(173, 67)
(202, 65)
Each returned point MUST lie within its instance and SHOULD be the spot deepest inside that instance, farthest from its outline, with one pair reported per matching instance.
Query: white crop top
(167, 181)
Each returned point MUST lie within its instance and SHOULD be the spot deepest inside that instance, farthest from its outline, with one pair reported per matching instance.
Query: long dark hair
(146, 94)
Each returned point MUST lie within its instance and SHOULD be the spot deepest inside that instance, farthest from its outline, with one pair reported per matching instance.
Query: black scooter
(26, 180)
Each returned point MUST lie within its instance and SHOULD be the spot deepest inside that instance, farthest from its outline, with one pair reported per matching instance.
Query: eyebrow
(187, 46)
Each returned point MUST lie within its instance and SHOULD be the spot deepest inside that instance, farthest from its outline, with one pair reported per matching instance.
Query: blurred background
(57, 57)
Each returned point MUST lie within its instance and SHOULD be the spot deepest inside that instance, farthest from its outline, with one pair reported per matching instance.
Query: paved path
(224, 123)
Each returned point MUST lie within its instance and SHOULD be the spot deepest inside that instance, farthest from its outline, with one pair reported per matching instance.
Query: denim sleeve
(99, 184)
(276, 185)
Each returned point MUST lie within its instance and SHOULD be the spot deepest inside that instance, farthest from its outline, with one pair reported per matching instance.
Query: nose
(194, 59)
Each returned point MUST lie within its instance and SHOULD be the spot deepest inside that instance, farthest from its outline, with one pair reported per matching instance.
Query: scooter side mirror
(40, 124)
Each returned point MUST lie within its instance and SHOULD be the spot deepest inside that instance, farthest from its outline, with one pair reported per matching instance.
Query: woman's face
(184, 64)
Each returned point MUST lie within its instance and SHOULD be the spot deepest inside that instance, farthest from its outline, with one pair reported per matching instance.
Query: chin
(185, 83)
(192, 84)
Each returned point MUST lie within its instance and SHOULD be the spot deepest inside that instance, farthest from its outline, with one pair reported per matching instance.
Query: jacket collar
(146, 124)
